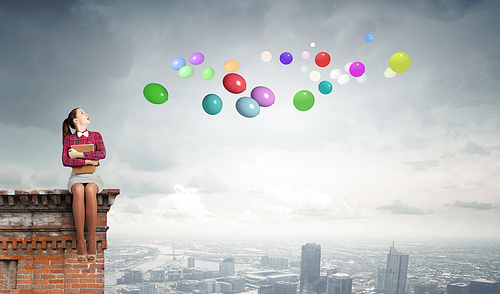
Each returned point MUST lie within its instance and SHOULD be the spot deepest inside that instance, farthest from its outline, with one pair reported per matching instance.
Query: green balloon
(186, 71)
(155, 93)
(208, 73)
(303, 100)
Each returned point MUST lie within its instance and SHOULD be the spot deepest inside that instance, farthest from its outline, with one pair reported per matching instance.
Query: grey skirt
(86, 178)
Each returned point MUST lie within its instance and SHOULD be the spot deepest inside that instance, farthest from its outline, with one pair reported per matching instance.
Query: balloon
(266, 56)
(286, 58)
(313, 44)
(305, 55)
(264, 96)
(400, 62)
(231, 65)
(347, 66)
(177, 63)
(315, 76)
(196, 58)
(212, 104)
(361, 79)
(234, 83)
(357, 69)
(389, 73)
(247, 107)
(343, 79)
(334, 74)
(368, 38)
(304, 69)
(322, 59)
(208, 73)
(186, 71)
(155, 93)
(303, 100)
(325, 87)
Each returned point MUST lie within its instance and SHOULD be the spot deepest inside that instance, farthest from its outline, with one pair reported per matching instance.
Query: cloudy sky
(413, 155)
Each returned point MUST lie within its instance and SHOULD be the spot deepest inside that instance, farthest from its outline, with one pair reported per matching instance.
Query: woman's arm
(66, 159)
(99, 149)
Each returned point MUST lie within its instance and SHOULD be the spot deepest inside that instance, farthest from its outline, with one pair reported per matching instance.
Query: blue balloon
(286, 58)
(325, 87)
(247, 107)
(212, 104)
(368, 38)
(177, 63)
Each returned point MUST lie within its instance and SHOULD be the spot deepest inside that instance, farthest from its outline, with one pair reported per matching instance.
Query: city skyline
(415, 155)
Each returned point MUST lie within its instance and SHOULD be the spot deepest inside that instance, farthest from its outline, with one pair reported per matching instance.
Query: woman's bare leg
(91, 212)
(78, 191)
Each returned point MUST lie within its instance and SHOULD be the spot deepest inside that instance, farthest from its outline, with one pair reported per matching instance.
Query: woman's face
(81, 118)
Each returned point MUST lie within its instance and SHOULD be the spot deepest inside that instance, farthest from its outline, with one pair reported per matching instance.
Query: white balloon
(389, 73)
(334, 74)
(362, 78)
(315, 75)
(304, 69)
(348, 66)
(343, 79)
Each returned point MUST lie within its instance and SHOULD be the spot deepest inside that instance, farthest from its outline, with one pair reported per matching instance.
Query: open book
(86, 169)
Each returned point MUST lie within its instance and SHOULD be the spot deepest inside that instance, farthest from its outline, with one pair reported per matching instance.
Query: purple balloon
(264, 96)
(357, 69)
(286, 58)
(196, 58)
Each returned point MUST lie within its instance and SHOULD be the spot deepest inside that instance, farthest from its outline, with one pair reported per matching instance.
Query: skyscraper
(227, 267)
(310, 268)
(457, 288)
(339, 284)
(484, 287)
(395, 275)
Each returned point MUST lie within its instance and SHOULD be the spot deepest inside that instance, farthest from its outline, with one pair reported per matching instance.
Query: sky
(414, 155)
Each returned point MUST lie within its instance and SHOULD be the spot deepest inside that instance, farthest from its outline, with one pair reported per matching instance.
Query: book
(86, 169)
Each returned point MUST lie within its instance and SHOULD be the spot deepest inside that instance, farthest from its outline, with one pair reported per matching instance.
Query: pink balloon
(264, 96)
(357, 69)
(196, 58)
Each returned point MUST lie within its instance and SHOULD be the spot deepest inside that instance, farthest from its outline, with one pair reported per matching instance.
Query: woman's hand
(91, 162)
(75, 154)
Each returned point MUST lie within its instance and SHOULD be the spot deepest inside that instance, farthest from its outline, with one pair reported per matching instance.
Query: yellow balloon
(231, 65)
(400, 62)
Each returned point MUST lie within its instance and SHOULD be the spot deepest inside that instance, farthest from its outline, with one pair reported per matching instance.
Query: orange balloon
(231, 65)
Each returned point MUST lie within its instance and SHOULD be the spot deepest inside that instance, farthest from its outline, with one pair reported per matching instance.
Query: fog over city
(415, 155)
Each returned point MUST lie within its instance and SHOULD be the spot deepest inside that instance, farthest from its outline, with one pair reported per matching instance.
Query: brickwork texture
(38, 243)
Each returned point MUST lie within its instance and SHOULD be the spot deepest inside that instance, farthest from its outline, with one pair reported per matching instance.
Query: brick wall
(38, 243)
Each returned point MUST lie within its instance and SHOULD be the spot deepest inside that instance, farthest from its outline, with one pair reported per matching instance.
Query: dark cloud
(51, 63)
(475, 205)
(398, 207)
(206, 183)
(447, 10)
(474, 148)
(132, 208)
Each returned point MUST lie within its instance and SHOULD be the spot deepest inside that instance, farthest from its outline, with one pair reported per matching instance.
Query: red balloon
(322, 59)
(234, 83)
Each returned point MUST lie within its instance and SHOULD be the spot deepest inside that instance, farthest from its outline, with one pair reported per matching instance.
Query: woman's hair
(68, 123)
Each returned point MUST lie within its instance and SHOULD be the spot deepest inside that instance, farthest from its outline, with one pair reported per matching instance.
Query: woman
(83, 186)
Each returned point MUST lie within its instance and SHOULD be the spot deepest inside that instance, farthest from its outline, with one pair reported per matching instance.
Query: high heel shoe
(83, 257)
(92, 257)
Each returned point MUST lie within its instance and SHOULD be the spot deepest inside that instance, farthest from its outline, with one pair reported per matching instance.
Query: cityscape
(335, 266)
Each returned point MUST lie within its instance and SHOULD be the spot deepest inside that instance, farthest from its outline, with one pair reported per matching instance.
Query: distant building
(424, 288)
(266, 289)
(157, 276)
(207, 286)
(148, 289)
(310, 265)
(130, 277)
(339, 283)
(238, 282)
(130, 290)
(226, 287)
(380, 278)
(457, 288)
(396, 271)
(484, 287)
(227, 267)
(285, 288)
(264, 260)
(190, 262)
